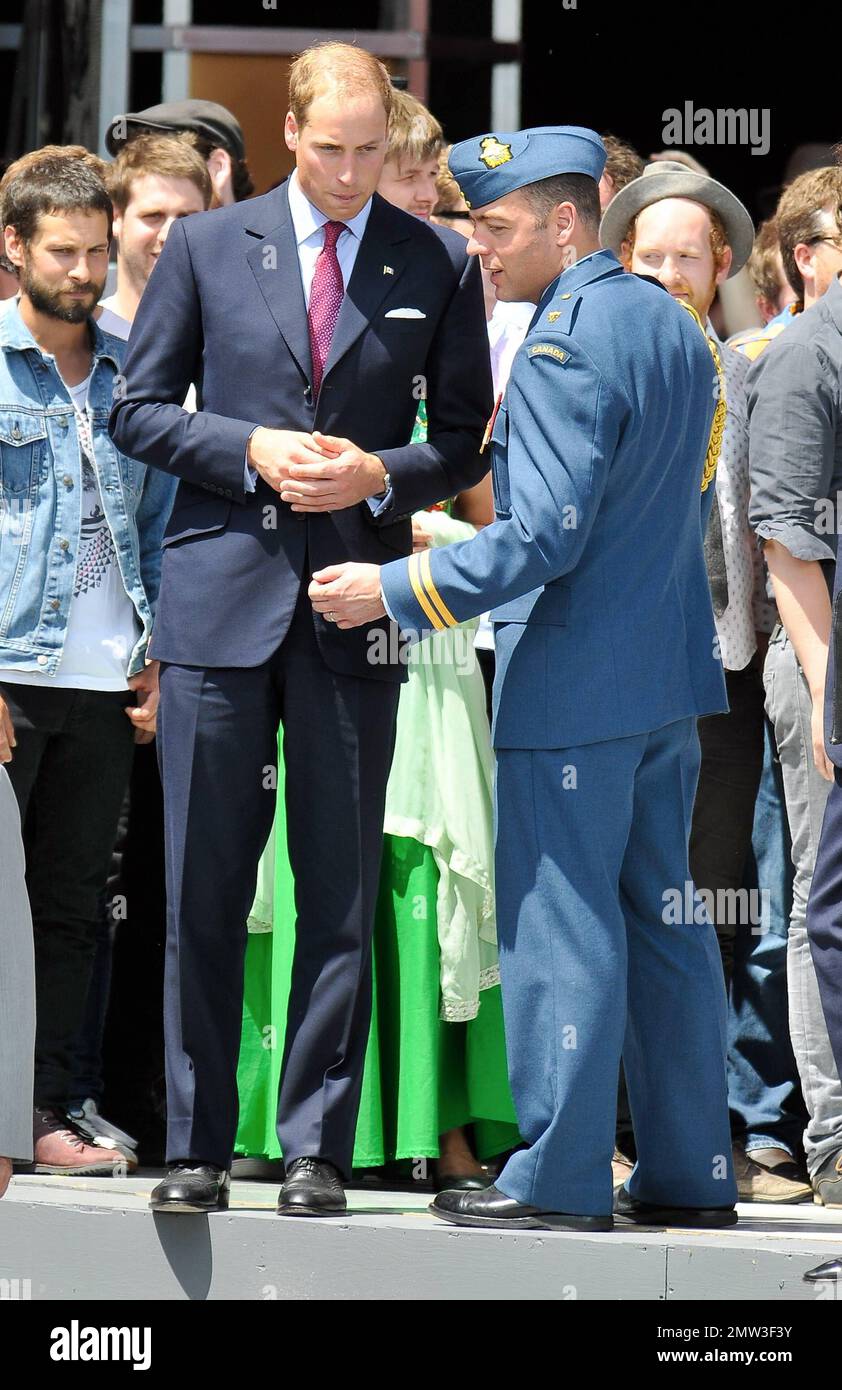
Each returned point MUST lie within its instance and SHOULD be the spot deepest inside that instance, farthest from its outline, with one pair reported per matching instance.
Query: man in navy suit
(313, 319)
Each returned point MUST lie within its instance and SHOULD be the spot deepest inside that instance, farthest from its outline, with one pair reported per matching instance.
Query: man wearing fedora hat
(691, 233)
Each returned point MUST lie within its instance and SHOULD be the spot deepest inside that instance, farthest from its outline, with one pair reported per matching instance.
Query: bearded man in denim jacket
(80, 536)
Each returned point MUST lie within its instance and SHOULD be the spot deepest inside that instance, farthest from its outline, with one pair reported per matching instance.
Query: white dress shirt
(307, 224)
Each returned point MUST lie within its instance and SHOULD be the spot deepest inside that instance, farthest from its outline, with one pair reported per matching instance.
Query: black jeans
(69, 772)
(723, 812)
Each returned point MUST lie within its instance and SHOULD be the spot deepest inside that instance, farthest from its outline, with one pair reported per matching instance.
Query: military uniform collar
(593, 267)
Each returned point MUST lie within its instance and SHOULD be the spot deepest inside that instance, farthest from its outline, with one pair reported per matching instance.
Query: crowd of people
(206, 449)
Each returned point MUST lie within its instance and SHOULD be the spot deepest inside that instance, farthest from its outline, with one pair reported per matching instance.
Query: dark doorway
(618, 67)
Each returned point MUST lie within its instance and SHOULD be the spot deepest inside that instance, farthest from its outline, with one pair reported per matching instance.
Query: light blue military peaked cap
(488, 167)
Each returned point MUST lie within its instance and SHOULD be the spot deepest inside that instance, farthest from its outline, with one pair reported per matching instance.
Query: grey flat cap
(205, 118)
(668, 179)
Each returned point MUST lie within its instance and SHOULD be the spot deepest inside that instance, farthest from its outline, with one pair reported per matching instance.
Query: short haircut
(718, 235)
(169, 156)
(579, 189)
(340, 69)
(801, 216)
(242, 183)
(623, 163)
(763, 268)
(414, 133)
(54, 179)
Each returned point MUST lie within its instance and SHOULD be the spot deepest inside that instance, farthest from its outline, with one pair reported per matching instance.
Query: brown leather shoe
(621, 1169)
(60, 1150)
(756, 1184)
(780, 1162)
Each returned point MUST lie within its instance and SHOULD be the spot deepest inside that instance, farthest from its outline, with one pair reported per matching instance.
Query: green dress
(436, 1049)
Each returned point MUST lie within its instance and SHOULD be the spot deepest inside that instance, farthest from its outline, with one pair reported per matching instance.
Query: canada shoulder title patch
(494, 152)
(548, 350)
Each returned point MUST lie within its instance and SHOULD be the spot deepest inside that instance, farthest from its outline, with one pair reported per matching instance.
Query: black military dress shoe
(192, 1186)
(460, 1182)
(651, 1214)
(492, 1207)
(313, 1187)
(831, 1269)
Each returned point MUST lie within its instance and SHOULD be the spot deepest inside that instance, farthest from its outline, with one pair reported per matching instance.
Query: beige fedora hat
(668, 179)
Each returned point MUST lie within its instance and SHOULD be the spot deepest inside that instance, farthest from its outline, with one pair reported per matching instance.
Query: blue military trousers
(605, 949)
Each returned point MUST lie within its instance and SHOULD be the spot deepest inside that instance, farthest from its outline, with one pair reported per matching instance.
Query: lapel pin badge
(387, 270)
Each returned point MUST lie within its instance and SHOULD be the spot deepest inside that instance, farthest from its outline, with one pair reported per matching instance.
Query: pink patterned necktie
(326, 296)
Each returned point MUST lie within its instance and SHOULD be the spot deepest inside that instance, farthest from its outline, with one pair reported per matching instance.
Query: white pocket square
(405, 314)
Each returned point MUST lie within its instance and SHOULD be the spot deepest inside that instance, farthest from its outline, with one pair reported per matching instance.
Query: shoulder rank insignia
(548, 350)
(553, 315)
(494, 152)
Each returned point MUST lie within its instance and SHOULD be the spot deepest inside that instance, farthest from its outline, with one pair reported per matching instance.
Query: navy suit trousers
(217, 745)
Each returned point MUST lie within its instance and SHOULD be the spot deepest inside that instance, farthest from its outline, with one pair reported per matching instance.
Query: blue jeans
(764, 1093)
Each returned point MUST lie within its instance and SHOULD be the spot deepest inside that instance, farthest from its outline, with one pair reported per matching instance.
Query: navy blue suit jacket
(225, 309)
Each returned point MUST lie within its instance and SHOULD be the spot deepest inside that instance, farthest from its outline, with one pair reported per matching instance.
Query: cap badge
(494, 152)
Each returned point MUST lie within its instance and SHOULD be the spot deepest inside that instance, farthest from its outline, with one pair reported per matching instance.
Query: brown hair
(579, 189)
(56, 178)
(341, 69)
(718, 236)
(242, 183)
(36, 159)
(448, 193)
(763, 265)
(801, 216)
(171, 156)
(414, 133)
(623, 163)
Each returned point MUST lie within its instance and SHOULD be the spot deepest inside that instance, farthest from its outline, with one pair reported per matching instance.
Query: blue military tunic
(606, 654)
(594, 566)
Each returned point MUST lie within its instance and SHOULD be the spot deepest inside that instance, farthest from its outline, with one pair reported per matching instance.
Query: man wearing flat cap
(218, 135)
(605, 659)
(691, 233)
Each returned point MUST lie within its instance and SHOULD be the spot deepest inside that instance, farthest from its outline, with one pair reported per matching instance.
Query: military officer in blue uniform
(606, 656)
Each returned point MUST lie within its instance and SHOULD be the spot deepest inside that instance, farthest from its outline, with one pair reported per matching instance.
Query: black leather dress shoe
(462, 1182)
(313, 1187)
(492, 1207)
(650, 1214)
(192, 1187)
(831, 1269)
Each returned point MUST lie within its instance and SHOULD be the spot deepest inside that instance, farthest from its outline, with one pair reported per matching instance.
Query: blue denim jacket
(40, 500)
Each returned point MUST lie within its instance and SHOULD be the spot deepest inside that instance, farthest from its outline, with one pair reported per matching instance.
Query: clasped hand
(315, 472)
(348, 594)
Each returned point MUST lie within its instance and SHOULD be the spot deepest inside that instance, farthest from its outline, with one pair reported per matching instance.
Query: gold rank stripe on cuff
(414, 579)
(428, 596)
(433, 593)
